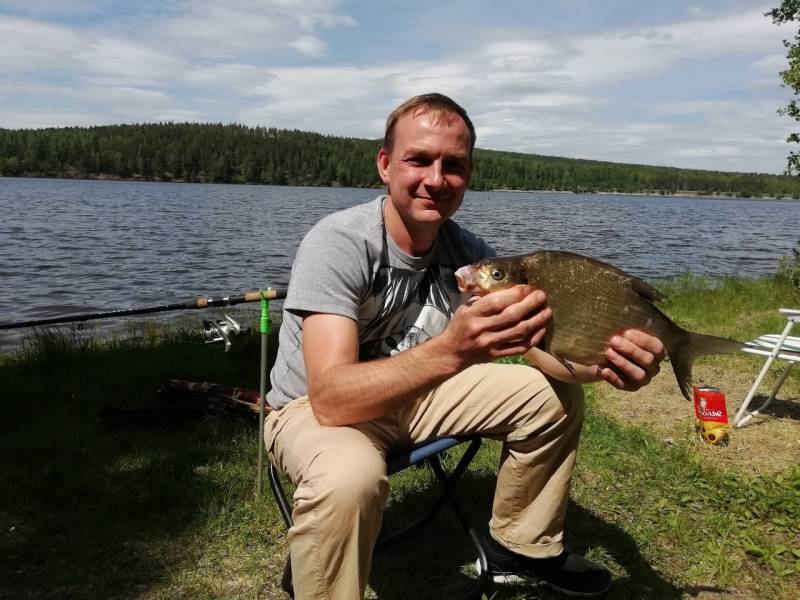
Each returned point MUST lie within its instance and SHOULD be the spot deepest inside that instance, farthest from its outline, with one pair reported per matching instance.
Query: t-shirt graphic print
(405, 308)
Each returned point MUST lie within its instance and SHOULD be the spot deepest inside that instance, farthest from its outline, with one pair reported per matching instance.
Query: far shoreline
(653, 194)
(687, 194)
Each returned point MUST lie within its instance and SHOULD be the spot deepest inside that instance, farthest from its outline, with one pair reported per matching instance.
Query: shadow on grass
(438, 562)
(112, 523)
(98, 509)
(780, 408)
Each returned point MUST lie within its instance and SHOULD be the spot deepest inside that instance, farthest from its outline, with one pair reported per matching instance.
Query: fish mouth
(466, 281)
(463, 277)
(462, 284)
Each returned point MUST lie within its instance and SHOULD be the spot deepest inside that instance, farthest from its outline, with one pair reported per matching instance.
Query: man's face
(428, 168)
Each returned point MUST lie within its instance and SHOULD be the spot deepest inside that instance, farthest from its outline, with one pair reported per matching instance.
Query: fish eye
(497, 274)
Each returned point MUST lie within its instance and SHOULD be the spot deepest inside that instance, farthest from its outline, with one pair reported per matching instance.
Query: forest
(232, 153)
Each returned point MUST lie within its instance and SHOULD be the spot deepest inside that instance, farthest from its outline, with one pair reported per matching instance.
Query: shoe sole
(514, 579)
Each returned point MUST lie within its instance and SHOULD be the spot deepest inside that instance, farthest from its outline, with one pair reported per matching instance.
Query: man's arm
(634, 356)
(344, 391)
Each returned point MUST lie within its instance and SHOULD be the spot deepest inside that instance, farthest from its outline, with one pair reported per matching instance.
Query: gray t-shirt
(348, 265)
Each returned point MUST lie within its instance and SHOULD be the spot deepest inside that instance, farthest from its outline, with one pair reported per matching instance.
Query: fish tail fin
(689, 347)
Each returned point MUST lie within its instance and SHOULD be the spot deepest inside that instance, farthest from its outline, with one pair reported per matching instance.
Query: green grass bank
(106, 491)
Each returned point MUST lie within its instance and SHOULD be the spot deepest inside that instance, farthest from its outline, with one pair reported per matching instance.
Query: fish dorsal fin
(646, 290)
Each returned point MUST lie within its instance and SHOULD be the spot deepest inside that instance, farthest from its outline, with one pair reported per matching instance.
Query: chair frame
(421, 454)
(773, 346)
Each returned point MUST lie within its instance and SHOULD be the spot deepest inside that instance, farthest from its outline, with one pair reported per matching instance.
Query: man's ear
(382, 162)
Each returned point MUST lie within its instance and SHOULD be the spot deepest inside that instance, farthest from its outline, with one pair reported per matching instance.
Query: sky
(687, 84)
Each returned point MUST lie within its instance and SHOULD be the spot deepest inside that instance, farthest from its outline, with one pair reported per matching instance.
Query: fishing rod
(199, 303)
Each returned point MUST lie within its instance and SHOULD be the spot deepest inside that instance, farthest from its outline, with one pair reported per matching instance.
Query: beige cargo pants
(340, 472)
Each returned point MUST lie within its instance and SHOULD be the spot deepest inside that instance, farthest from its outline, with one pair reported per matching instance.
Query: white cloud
(127, 61)
(34, 45)
(721, 151)
(531, 95)
(13, 88)
(36, 119)
(53, 7)
(258, 62)
(131, 94)
(522, 53)
(309, 45)
(765, 83)
(179, 115)
(323, 99)
(743, 136)
(322, 85)
(632, 53)
(706, 107)
(129, 102)
(235, 78)
(768, 69)
(771, 63)
(30, 46)
(216, 28)
(698, 12)
(153, 48)
(549, 101)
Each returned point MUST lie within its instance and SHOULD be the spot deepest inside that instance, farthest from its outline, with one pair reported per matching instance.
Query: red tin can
(712, 415)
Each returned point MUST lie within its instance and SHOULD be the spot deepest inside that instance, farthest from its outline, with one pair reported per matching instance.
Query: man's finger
(529, 331)
(646, 356)
(623, 365)
(646, 342)
(611, 376)
(496, 302)
(530, 312)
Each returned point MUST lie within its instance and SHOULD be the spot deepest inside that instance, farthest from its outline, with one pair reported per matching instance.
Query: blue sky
(691, 84)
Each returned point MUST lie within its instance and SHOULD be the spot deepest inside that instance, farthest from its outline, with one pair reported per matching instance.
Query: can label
(711, 414)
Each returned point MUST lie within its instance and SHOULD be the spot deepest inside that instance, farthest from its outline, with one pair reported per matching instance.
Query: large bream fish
(592, 301)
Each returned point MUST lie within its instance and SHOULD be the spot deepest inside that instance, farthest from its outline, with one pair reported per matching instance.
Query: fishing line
(199, 303)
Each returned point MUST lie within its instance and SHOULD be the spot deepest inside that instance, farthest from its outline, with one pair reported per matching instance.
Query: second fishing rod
(197, 303)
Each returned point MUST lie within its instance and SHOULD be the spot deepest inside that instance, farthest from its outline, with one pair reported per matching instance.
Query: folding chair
(782, 346)
(427, 452)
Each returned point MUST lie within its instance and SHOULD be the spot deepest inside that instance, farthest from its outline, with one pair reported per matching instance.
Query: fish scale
(591, 302)
(583, 297)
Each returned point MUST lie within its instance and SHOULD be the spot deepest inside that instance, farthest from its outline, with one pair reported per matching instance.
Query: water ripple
(103, 245)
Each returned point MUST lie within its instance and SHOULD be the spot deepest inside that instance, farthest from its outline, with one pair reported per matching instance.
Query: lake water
(73, 246)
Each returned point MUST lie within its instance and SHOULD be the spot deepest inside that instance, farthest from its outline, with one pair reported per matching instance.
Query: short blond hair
(440, 105)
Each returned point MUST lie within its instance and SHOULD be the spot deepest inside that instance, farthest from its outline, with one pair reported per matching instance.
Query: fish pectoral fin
(568, 365)
(646, 290)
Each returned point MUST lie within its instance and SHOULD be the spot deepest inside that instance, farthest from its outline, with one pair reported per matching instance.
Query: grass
(108, 492)
(706, 528)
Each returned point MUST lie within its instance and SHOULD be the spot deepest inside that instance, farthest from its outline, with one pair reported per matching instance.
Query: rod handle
(269, 294)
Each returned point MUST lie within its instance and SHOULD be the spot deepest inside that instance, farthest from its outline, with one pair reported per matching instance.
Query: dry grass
(769, 444)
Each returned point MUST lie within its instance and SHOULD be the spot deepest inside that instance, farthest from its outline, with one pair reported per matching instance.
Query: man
(378, 349)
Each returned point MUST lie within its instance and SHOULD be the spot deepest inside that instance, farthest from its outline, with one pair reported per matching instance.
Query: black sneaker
(568, 573)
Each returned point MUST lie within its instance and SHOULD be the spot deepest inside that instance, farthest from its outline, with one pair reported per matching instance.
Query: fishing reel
(222, 330)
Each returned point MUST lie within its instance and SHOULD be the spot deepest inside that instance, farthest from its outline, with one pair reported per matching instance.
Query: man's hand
(503, 323)
(344, 391)
(634, 358)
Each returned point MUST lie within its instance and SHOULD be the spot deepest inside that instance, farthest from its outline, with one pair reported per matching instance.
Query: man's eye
(419, 161)
(455, 166)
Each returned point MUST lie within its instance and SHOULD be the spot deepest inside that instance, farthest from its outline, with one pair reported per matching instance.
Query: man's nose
(434, 175)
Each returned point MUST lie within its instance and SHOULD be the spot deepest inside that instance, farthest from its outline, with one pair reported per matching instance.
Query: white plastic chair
(784, 347)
